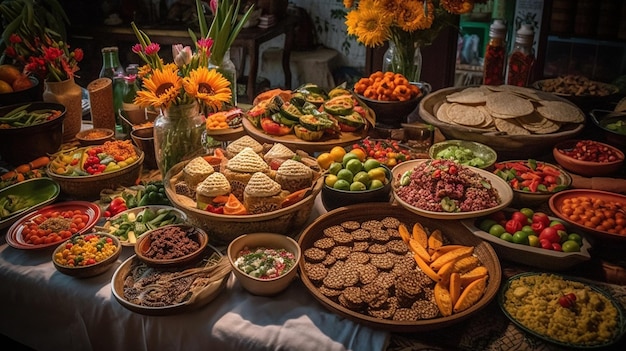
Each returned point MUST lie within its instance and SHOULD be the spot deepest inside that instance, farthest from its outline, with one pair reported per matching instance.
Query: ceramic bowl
(613, 124)
(467, 153)
(95, 136)
(156, 248)
(258, 286)
(88, 270)
(22, 96)
(32, 141)
(587, 168)
(394, 113)
(522, 198)
(333, 198)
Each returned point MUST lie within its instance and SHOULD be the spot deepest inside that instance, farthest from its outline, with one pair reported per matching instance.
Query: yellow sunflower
(412, 17)
(369, 26)
(161, 88)
(208, 86)
(457, 7)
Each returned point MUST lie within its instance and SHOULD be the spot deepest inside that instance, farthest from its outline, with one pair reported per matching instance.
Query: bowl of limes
(355, 180)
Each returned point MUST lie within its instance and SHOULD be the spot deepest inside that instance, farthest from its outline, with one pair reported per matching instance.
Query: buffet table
(47, 310)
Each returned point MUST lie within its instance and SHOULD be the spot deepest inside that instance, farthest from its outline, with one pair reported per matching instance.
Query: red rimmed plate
(557, 200)
(16, 239)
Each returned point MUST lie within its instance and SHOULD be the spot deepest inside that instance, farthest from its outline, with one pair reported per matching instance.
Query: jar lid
(525, 34)
(497, 29)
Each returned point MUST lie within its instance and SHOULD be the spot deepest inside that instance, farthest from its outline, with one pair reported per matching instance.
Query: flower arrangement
(45, 57)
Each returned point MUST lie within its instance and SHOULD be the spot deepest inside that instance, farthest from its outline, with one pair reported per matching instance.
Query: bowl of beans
(264, 263)
(599, 213)
(171, 245)
(87, 255)
(588, 158)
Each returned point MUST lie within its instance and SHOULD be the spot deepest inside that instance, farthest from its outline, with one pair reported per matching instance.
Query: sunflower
(370, 27)
(209, 87)
(161, 88)
(414, 15)
(457, 7)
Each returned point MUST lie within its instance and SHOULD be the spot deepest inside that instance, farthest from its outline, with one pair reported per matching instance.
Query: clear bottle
(113, 69)
(132, 112)
(495, 54)
(522, 58)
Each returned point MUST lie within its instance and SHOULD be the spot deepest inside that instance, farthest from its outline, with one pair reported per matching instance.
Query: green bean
(17, 109)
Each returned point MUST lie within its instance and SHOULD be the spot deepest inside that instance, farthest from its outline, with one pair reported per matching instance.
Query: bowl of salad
(264, 263)
(468, 153)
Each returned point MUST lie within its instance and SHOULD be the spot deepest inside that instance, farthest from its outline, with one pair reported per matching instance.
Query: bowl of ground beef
(171, 245)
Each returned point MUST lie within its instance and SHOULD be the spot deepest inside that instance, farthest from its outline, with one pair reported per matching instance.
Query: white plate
(529, 255)
(504, 190)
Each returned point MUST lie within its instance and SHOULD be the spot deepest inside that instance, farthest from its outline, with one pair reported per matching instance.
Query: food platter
(504, 191)
(16, 239)
(529, 255)
(557, 200)
(41, 191)
(198, 297)
(452, 230)
(620, 318)
(293, 142)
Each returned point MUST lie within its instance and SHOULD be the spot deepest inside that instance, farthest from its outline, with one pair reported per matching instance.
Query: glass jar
(229, 71)
(495, 54)
(113, 69)
(404, 58)
(178, 135)
(522, 58)
(134, 113)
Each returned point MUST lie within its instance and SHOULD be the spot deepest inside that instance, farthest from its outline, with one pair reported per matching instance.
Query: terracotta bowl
(587, 168)
(92, 269)
(95, 136)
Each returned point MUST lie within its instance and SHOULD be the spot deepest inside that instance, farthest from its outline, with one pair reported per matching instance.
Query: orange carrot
(25, 168)
(39, 162)
(234, 207)
(9, 175)
(220, 199)
(20, 177)
(293, 197)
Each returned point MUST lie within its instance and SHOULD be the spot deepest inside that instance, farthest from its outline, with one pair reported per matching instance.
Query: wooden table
(250, 39)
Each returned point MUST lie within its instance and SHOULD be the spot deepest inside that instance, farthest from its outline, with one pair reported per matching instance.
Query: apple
(550, 234)
(537, 227)
(558, 225)
(513, 226)
(545, 244)
(520, 217)
(541, 217)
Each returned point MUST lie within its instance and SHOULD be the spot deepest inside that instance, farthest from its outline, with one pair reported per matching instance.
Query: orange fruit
(5, 87)
(22, 83)
(324, 160)
(360, 153)
(337, 152)
(9, 73)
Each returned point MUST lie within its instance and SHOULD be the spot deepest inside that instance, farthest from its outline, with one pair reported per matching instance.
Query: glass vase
(178, 135)
(70, 95)
(404, 58)
(229, 71)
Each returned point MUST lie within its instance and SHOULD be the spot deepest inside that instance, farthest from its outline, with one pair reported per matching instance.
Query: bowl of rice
(264, 263)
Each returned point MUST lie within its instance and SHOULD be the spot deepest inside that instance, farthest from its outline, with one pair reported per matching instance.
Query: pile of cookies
(368, 268)
(507, 109)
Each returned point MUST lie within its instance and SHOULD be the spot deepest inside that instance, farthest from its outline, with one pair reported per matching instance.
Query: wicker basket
(89, 187)
(222, 229)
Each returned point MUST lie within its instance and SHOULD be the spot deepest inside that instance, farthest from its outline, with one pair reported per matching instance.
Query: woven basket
(89, 187)
(222, 229)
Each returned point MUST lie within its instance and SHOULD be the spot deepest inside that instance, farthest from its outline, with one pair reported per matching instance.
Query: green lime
(486, 224)
(520, 237)
(362, 177)
(528, 212)
(341, 184)
(497, 230)
(528, 229)
(570, 246)
(335, 167)
(370, 164)
(357, 186)
(330, 180)
(378, 173)
(375, 184)
(355, 166)
(345, 175)
(576, 237)
(507, 237)
(349, 156)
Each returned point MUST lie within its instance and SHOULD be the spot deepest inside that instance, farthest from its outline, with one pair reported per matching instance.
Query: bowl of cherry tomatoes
(588, 158)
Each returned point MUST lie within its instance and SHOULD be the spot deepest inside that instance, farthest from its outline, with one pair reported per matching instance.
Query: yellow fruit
(337, 152)
(324, 160)
(5, 87)
(360, 153)
(470, 295)
(443, 299)
(330, 180)
(9, 73)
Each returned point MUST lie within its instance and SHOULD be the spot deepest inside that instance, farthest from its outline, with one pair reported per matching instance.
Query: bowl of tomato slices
(533, 182)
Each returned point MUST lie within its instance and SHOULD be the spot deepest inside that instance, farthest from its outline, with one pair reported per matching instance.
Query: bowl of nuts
(588, 158)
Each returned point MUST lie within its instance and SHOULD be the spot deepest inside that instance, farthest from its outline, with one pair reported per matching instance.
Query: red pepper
(214, 209)
(550, 171)
(273, 128)
(533, 186)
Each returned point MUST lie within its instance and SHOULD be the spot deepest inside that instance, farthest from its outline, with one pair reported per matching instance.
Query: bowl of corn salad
(87, 255)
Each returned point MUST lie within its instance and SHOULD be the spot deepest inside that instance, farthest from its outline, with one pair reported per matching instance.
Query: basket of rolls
(255, 188)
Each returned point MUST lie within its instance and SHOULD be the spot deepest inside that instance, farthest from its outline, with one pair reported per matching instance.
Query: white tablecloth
(47, 310)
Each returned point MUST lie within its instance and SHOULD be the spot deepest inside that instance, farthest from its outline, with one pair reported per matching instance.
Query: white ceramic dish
(529, 255)
(504, 190)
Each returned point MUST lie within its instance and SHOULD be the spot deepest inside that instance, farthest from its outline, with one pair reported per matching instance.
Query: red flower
(10, 51)
(137, 49)
(152, 49)
(78, 54)
(15, 39)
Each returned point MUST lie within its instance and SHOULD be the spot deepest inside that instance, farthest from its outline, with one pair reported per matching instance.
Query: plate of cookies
(395, 270)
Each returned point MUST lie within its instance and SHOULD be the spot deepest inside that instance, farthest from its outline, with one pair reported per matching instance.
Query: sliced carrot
(25, 168)
(220, 199)
(20, 177)
(293, 198)
(9, 175)
(234, 207)
(39, 162)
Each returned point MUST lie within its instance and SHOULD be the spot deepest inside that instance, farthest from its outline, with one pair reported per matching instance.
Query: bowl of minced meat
(562, 310)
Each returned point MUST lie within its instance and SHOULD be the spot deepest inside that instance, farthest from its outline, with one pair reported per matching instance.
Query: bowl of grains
(516, 122)
(87, 255)
(264, 263)
(385, 268)
(171, 245)
(95, 136)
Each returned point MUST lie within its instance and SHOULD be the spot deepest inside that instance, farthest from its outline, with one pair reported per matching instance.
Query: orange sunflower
(209, 87)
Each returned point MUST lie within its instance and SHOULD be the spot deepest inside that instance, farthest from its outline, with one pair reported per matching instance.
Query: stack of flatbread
(507, 109)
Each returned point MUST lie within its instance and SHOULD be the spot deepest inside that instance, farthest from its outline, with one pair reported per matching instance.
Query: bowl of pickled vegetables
(468, 153)
(33, 128)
